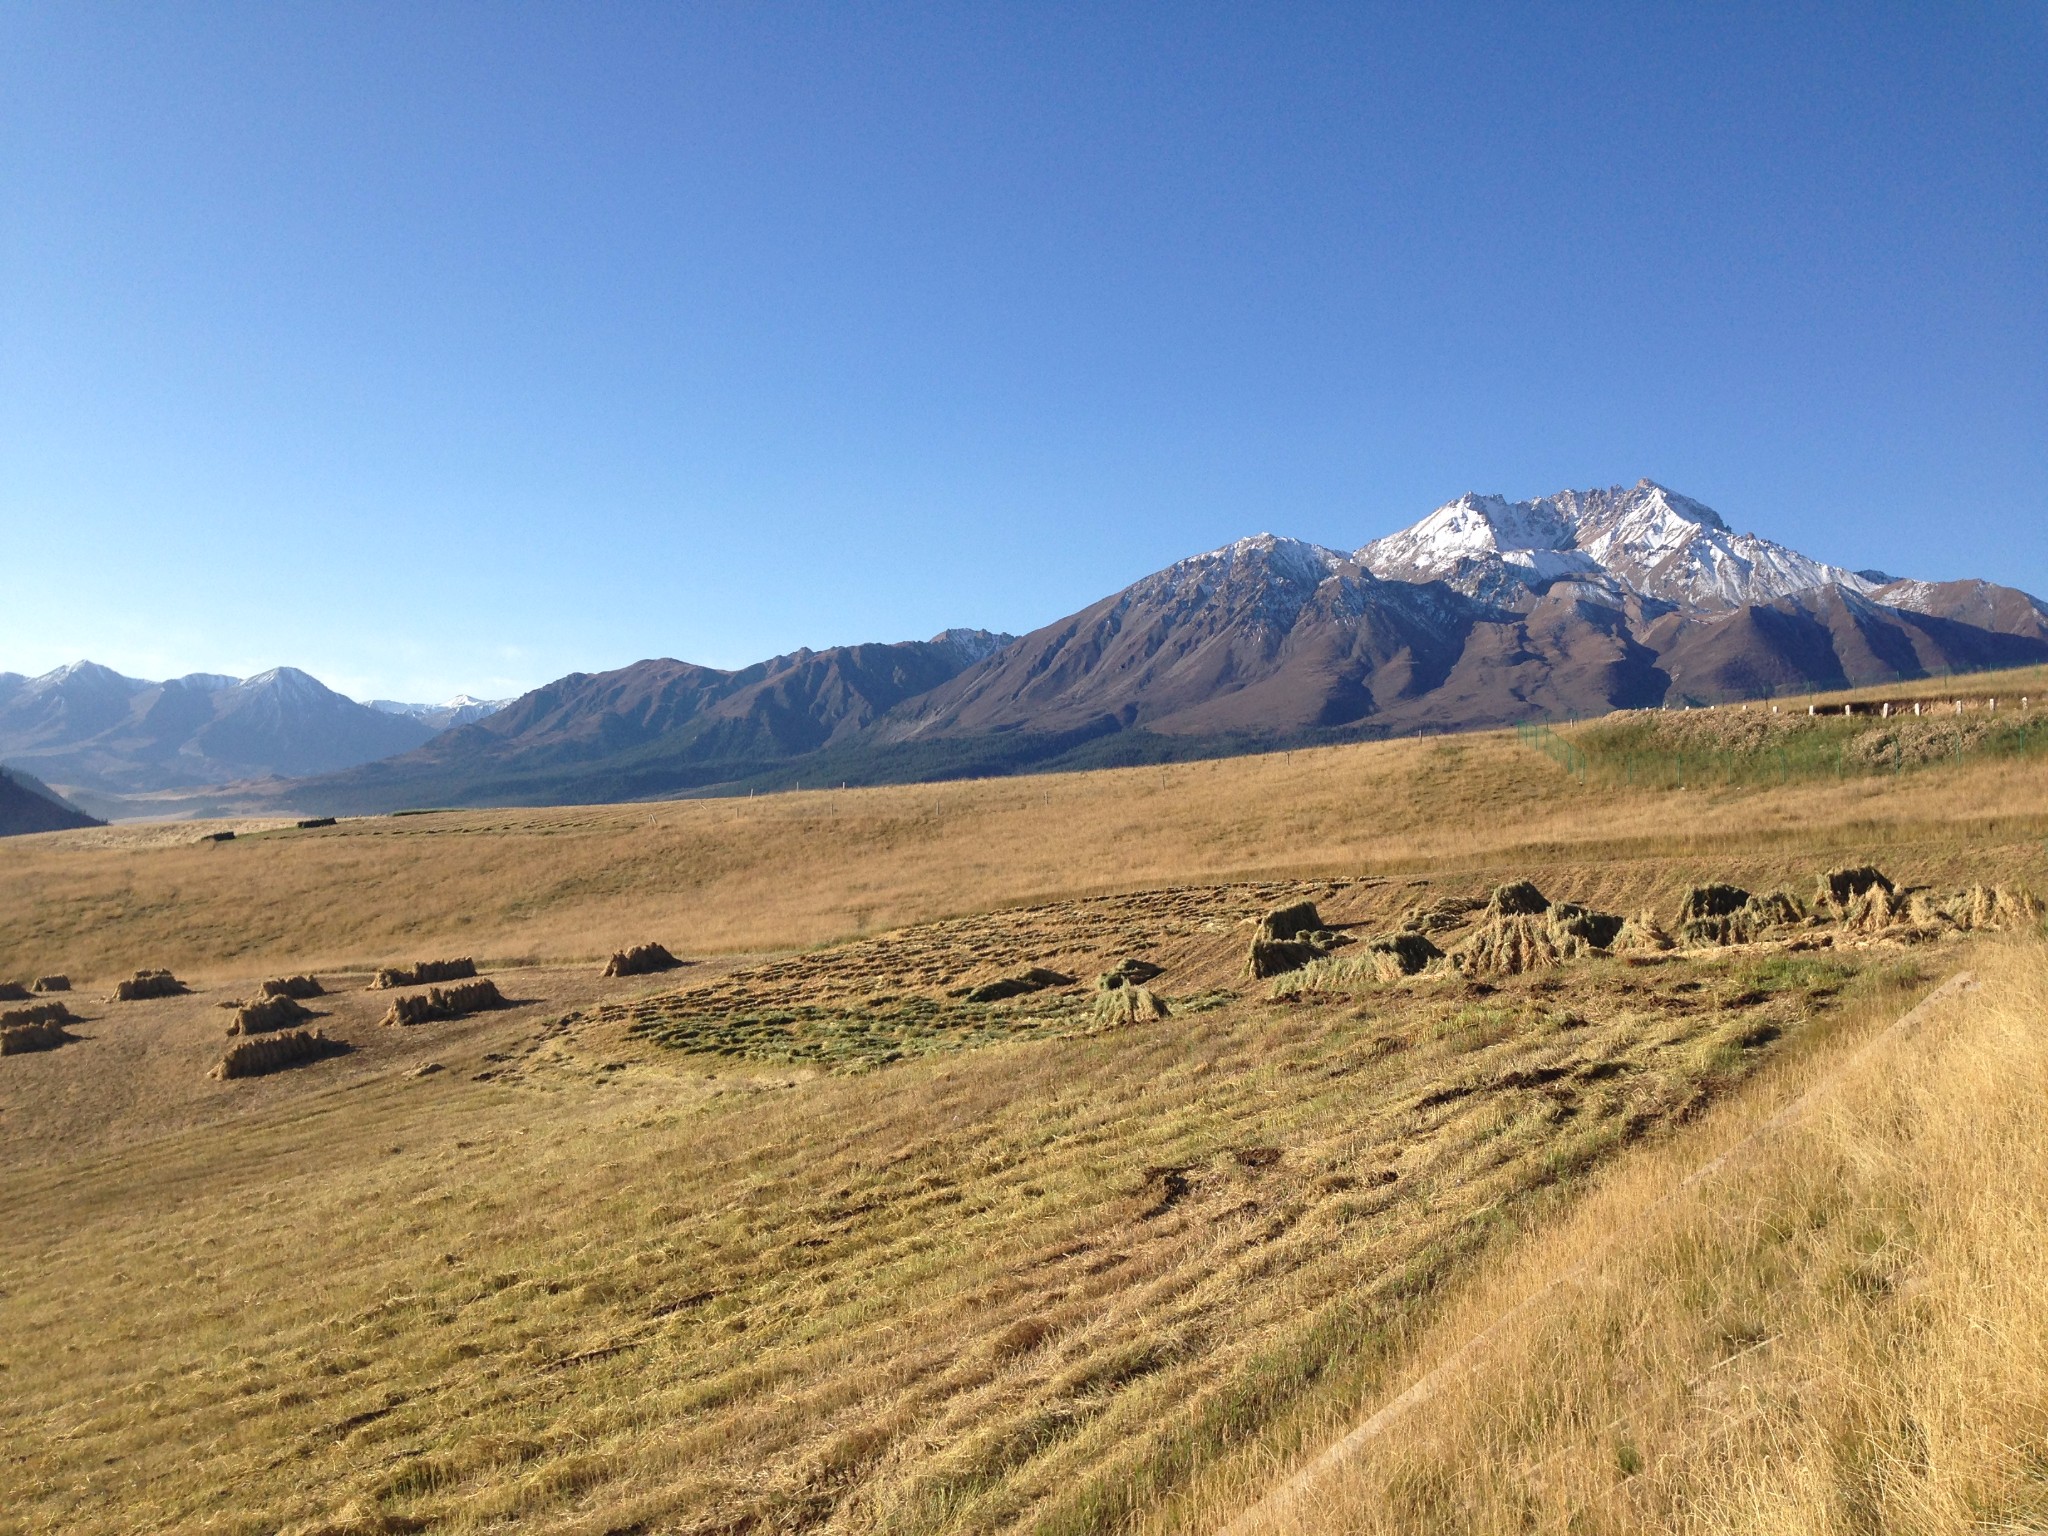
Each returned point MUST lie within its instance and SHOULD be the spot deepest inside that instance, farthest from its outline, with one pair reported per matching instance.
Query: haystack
(1287, 938)
(1290, 922)
(18, 1039)
(1641, 935)
(52, 984)
(1876, 909)
(13, 992)
(1707, 916)
(1128, 973)
(641, 960)
(1129, 1005)
(1276, 957)
(1508, 946)
(420, 972)
(1839, 887)
(266, 1014)
(291, 986)
(253, 1058)
(315, 821)
(1512, 939)
(444, 1003)
(1394, 955)
(1436, 916)
(36, 1013)
(1037, 979)
(1597, 929)
(1993, 907)
(1518, 898)
(144, 984)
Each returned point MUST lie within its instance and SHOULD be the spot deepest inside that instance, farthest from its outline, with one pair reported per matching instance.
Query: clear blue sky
(438, 347)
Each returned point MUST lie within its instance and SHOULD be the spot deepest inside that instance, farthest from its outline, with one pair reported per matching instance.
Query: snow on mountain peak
(1647, 538)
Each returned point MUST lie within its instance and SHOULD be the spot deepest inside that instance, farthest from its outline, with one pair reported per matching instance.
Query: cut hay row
(266, 1014)
(420, 972)
(147, 984)
(640, 960)
(272, 1053)
(444, 1003)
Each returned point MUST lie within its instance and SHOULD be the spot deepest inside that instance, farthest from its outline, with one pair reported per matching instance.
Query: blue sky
(450, 347)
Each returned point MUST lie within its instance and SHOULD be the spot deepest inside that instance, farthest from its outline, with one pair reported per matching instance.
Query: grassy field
(800, 1237)
(1843, 1328)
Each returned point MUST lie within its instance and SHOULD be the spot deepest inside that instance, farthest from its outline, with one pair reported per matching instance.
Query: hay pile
(1129, 1004)
(1727, 914)
(253, 1058)
(1394, 955)
(52, 984)
(1523, 931)
(1037, 979)
(266, 1014)
(1128, 973)
(1518, 898)
(43, 1035)
(37, 1013)
(13, 992)
(291, 986)
(144, 984)
(1641, 935)
(315, 821)
(444, 1003)
(1288, 938)
(1839, 889)
(1437, 916)
(641, 960)
(1992, 907)
(420, 972)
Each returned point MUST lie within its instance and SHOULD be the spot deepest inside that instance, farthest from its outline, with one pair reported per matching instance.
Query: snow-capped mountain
(87, 727)
(1643, 539)
(463, 709)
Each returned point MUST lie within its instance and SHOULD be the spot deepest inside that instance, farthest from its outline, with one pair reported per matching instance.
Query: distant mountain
(1484, 612)
(657, 727)
(88, 727)
(27, 804)
(460, 710)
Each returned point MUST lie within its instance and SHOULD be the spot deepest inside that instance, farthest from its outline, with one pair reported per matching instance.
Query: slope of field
(811, 1235)
(1843, 1327)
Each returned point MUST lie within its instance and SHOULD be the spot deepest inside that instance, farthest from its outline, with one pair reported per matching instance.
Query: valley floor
(808, 1239)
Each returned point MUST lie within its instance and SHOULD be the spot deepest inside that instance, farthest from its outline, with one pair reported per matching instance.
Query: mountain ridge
(1482, 613)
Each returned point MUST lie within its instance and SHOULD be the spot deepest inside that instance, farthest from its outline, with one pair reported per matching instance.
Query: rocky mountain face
(86, 726)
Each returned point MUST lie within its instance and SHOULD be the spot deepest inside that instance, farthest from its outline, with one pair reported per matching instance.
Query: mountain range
(1483, 613)
(99, 733)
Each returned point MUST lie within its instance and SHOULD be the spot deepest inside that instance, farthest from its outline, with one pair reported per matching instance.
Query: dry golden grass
(1041, 1273)
(1843, 1328)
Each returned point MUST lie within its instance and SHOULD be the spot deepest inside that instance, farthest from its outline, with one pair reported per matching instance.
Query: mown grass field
(798, 1239)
